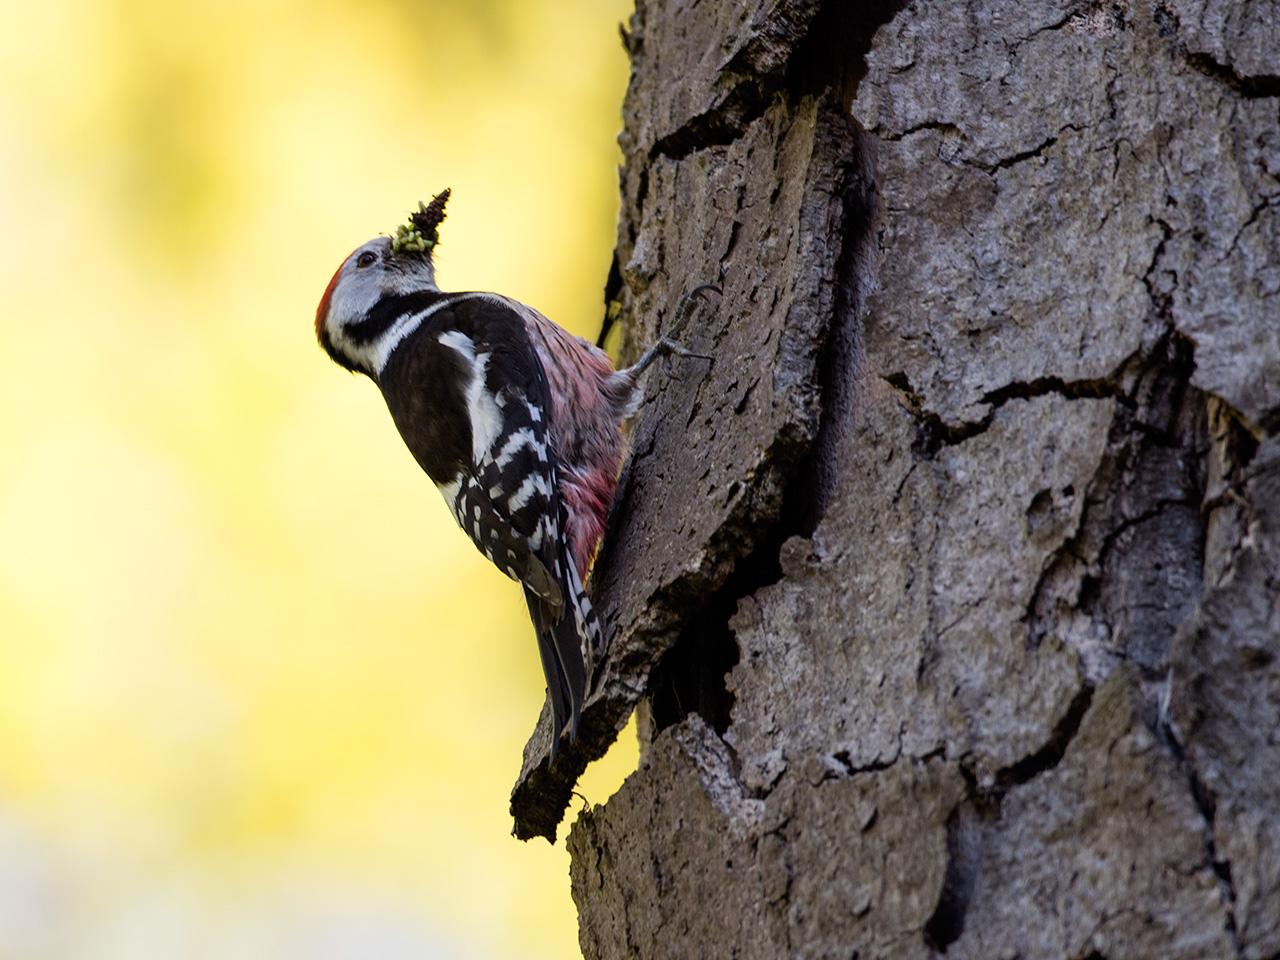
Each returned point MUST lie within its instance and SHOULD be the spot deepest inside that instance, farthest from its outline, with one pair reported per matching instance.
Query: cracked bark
(949, 591)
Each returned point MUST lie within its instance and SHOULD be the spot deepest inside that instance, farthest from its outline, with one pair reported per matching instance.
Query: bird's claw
(669, 346)
(685, 309)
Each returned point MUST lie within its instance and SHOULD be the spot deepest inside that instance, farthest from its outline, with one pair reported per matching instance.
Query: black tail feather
(560, 648)
(557, 691)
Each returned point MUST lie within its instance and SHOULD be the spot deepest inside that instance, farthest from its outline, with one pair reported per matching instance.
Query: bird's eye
(366, 258)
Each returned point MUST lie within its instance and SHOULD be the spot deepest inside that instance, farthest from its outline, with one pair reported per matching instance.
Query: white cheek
(352, 299)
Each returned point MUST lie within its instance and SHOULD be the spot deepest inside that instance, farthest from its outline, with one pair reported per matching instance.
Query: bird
(516, 421)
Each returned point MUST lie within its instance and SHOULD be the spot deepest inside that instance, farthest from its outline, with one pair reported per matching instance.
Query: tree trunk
(950, 588)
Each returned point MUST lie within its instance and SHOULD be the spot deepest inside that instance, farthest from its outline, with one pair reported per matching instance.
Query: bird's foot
(687, 307)
(669, 347)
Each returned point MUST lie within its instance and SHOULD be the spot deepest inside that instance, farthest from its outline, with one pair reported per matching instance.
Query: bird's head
(375, 285)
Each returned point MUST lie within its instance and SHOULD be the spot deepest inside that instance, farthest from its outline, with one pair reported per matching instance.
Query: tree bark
(949, 591)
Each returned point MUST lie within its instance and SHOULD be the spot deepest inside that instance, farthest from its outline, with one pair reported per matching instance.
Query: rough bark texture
(951, 589)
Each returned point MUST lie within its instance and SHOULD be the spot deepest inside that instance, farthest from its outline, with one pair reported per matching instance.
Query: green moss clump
(408, 239)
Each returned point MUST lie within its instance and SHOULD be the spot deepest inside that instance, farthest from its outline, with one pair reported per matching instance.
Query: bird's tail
(570, 643)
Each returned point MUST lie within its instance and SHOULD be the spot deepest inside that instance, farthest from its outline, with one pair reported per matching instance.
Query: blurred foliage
(258, 696)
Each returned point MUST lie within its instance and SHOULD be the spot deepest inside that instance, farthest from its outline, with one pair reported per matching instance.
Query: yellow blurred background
(258, 696)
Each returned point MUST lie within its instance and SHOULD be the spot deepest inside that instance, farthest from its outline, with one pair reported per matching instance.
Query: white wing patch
(460, 342)
(486, 417)
(483, 408)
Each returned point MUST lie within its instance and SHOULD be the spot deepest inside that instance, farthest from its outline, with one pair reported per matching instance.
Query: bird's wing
(508, 498)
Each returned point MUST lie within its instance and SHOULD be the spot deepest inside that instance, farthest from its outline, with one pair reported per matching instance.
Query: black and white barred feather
(470, 397)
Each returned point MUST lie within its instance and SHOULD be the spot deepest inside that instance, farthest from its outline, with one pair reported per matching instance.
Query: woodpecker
(516, 421)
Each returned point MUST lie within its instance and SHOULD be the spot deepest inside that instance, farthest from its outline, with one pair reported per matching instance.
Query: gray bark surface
(950, 590)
